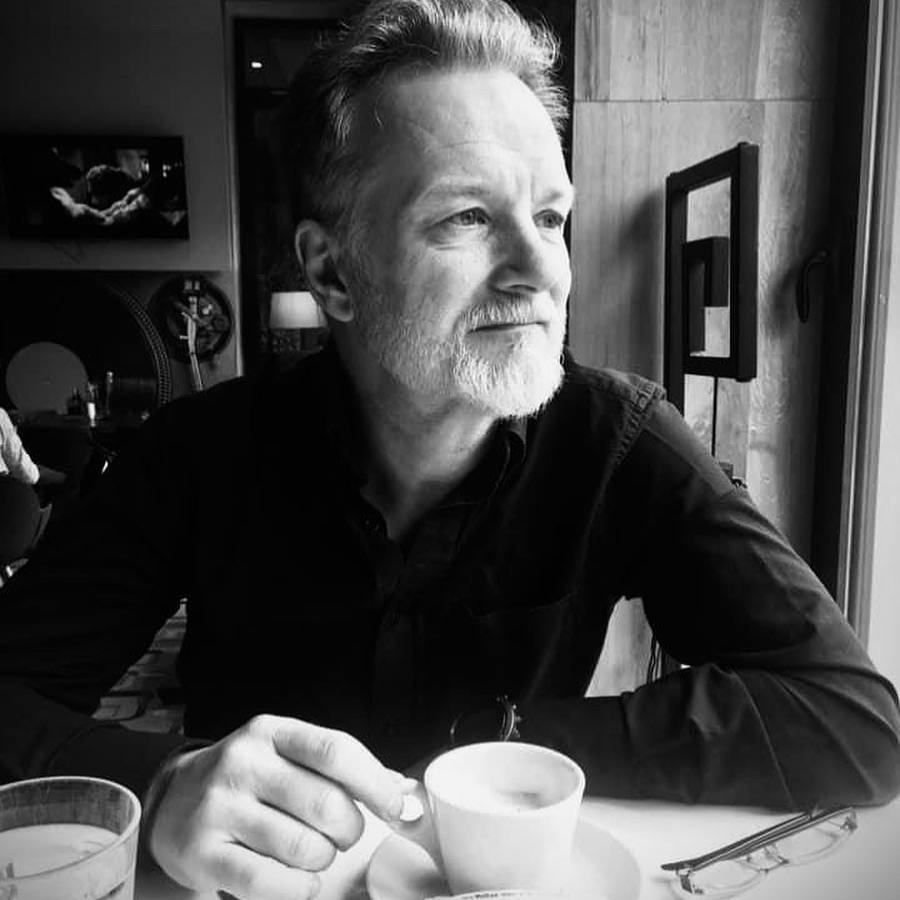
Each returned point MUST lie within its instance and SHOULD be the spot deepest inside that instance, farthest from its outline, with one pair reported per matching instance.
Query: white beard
(519, 383)
(517, 378)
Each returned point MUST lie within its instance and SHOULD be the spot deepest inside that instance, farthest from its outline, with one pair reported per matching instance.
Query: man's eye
(469, 217)
(551, 219)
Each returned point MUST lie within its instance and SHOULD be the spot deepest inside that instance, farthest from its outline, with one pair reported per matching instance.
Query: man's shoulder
(234, 397)
(243, 403)
(597, 410)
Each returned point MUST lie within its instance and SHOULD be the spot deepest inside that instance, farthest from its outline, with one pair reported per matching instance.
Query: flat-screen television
(71, 186)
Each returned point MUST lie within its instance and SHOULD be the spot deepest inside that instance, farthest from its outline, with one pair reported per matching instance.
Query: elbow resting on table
(855, 755)
(879, 766)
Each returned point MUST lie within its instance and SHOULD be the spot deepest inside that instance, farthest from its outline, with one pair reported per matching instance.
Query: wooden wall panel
(712, 49)
(705, 49)
(617, 237)
(731, 437)
(618, 49)
(794, 213)
(799, 50)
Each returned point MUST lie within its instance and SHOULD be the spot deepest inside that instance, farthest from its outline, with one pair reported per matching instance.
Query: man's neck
(415, 455)
(413, 460)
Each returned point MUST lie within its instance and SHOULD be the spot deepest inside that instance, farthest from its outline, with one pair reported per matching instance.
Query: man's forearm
(710, 736)
(43, 737)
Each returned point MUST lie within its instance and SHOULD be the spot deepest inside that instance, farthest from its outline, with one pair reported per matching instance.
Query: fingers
(311, 798)
(246, 875)
(263, 810)
(343, 760)
(277, 835)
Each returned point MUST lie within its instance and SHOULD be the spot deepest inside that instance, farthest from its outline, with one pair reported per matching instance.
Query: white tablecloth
(867, 867)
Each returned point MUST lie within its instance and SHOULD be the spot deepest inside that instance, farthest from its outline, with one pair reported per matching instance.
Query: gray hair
(389, 36)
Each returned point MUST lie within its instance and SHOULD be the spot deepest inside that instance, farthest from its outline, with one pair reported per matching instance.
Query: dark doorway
(267, 54)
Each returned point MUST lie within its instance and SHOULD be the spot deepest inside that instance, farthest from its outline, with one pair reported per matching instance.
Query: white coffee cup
(499, 816)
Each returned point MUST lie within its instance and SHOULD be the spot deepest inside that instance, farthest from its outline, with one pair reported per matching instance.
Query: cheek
(439, 287)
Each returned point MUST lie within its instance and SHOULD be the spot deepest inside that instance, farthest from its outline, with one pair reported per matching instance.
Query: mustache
(517, 311)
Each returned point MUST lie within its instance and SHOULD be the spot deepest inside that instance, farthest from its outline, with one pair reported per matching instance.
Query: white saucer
(602, 868)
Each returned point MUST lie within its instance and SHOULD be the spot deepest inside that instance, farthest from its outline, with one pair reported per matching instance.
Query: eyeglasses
(742, 864)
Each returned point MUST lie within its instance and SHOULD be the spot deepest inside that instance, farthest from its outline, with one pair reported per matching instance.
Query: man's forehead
(461, 116)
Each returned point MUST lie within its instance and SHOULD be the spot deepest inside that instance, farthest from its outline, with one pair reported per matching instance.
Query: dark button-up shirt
(246, 500)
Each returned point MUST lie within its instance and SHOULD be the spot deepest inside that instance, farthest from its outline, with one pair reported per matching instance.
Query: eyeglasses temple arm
(759, 839)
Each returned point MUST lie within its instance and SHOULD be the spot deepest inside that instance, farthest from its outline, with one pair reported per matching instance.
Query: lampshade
(295, 309)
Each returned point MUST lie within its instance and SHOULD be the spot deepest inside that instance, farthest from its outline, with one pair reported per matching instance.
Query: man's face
(458, 270)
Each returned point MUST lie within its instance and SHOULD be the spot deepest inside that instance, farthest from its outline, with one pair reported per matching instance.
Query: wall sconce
(290, 310)
(715, 271)
(296, 322)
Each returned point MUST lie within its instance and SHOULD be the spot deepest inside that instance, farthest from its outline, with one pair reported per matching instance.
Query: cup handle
(421, 831)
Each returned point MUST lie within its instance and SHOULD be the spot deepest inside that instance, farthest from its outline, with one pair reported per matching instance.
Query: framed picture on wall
(73, 186)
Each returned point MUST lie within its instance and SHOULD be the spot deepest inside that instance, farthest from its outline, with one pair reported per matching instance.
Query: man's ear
(318, 254)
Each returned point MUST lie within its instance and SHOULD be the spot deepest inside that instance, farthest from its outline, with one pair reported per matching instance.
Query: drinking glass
(67, 838)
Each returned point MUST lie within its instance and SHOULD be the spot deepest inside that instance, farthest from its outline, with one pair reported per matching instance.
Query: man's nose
(531, 261)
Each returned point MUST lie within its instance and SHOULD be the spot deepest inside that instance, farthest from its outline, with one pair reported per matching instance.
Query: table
(867, 867)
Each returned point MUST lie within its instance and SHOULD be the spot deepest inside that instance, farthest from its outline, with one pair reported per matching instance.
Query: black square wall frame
(713, 271)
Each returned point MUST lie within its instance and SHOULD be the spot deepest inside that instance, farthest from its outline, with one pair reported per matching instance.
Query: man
(14, 459)
(430, 513)
(21, 515)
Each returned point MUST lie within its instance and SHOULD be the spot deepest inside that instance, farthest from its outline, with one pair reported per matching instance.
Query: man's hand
(264, 809)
